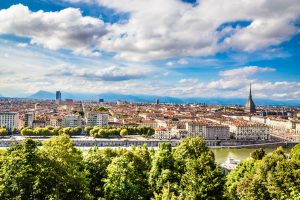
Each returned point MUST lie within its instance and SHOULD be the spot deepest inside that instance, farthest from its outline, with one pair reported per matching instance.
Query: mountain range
(113, 97)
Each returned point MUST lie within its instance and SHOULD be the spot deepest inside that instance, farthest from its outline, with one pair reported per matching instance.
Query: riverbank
(85, 141)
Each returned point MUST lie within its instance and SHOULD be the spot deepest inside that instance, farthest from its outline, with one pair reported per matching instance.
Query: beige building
(71, 121)
(97, 119)
(8, 120)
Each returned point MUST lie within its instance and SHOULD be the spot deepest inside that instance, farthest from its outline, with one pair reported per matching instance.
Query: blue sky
(177, 48)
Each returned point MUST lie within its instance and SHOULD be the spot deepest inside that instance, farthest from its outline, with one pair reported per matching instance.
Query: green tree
(201, 177)
(258, 154)
(295, 152)
(162, 168)
(96, 162)
(276, 176)
(124, 179)
(18, 174)
(124, 132)
(65, 164)
(3, 131)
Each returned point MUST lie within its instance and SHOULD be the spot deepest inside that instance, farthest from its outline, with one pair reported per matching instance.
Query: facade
(97, 119)
(148, 123)
(71, 121)
(28, 119)
(8, 120)
(216, 132)
(250, 106)
(195, 128)
(249, 131)
(55, 121)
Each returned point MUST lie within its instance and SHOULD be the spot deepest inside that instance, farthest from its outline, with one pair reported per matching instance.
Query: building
(8, 120)
(38, 124)
(71, 121)
(157, 101)
(148, 123)
(243, 130)
(55, 121)
(216, 132)
(28, 119)
(250, 106)
(58, 96)
(97, 119)
(195, 128)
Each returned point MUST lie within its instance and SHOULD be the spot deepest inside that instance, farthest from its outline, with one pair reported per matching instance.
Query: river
(237, 153)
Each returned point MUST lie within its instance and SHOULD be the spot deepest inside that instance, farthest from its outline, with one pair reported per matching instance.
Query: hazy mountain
(113, 97)
(42, 95)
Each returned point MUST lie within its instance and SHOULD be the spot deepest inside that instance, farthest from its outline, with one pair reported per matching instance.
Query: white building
(8, 120)
(195, 128)
(162, 133)
(97, 119)
(216, 132)
(71, 121)
(249, 131)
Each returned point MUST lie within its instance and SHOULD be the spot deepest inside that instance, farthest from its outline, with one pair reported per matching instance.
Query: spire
(250, 106)
(250, 94)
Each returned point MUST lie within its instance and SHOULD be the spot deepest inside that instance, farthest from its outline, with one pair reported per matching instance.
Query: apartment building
(8, 119)
(71, 120)
(97, 119)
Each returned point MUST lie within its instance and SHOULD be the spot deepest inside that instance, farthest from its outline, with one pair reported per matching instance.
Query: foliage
(104, 132)
(58, 170)
(275, 176)
(49, 131)
(3, 131)
(258, 154)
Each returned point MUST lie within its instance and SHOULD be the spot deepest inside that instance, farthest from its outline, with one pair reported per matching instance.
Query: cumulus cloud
(158, 29)
(66, 29)
(246, 71)
(162, 29)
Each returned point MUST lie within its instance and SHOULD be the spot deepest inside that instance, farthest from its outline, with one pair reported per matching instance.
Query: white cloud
(22, 45)
(66, 29)
(158, 29)
(178, 62)
(162, 29)
(246, 71)
(189, 81)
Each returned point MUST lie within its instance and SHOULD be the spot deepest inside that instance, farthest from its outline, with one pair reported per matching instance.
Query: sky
(204, 48)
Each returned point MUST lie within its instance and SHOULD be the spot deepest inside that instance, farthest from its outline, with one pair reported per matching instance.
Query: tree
(162, 168)
(201, 177)
(122, 180)
(123, 132)
(275, 176)
(18, 174)
(65, 163)
(258, 154)
(95, 164)
(3, 131)
(295, 152)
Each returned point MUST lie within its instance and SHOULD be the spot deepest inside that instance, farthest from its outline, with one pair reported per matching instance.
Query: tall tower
(250, 105)
(157, 101)
(58, 96)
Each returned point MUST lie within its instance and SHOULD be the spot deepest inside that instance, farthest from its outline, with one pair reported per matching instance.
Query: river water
(241, 154)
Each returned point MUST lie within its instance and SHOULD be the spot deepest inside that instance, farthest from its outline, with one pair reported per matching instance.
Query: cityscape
(150, 100)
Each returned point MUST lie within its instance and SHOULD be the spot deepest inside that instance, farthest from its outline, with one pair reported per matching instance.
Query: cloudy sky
(181, 48)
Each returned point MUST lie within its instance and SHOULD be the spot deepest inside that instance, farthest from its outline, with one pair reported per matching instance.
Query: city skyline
(170, 48)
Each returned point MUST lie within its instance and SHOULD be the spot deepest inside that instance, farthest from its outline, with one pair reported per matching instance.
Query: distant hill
(113, 97)
(43, 95)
